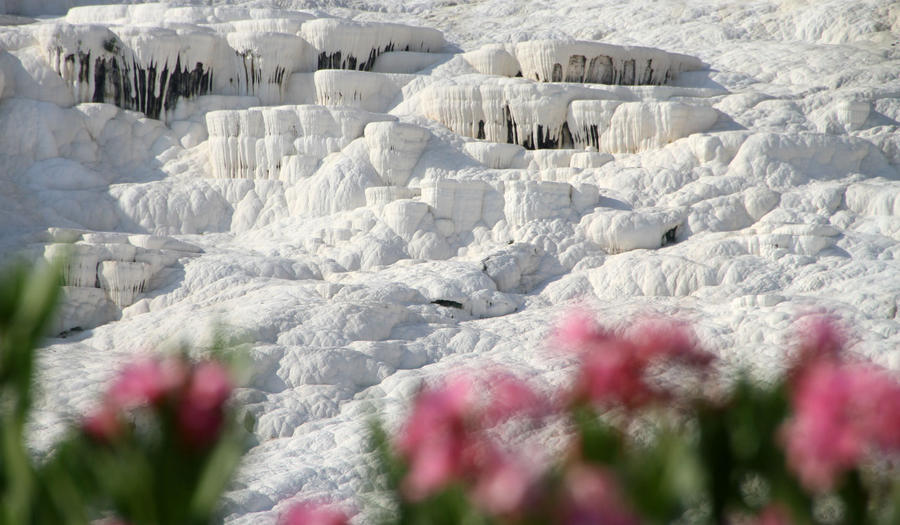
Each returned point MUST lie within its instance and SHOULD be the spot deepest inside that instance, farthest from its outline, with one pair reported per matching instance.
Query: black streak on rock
(145, 89)
(337, 60)
(448, 303)
(557, 75)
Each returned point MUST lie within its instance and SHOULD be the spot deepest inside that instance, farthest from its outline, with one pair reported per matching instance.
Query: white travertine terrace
(358, 89)
(497, 155)
(267, 61)
(405, 61)
(493, 60)
(460, 202)
(343, 44)
(373, 205)
(148, 57)
(105, 273)
(640, 126)
(123, 280)
(539, 116)
(280, 143)
(595, 62)
(394, 149)
(623, 230)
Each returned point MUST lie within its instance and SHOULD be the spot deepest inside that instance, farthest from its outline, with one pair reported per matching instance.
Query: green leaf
(216, 473)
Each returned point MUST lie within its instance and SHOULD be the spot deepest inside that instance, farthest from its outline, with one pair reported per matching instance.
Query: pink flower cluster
(614, 368)
(310, 513)
(841, 410)
(591, 495)
(444, 440)
(196, 392)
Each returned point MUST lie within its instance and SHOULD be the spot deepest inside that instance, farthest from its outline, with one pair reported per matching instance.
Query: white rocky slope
(734, 164)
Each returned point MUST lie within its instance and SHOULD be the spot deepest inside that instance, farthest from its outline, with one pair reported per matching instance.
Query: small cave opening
(670, 237)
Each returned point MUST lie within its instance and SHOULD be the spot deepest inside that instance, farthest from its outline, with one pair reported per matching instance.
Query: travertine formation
(114, 54)
(105, 273)
(370, 206)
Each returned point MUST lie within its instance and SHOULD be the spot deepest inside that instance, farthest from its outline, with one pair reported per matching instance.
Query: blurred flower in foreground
(197, 392)
(308, 513)
(144, 382)
(200, 409)
(839, 413)
(436, 436)
(592, 496)
(613, 368)
(822, 338)
(444, 440)
(773, 515)
(578, 331)
(502, 486)
(102, 424)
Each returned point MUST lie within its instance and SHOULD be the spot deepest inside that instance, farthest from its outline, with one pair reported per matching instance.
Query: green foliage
(146, 474)
(27, 302)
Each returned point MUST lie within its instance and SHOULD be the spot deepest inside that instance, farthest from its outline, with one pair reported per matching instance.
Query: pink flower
(614, 373)
(445, 438)
(199, 427)
(613, 368)
(437, 407)
(665, 339)
(201, 408)
(773, 515)
(209, 386)
(578, 331)
(103, 424)
(877, 400)
(435, 437)
(592, 496)
(307, 513)
(508, 396)
(822, 440)
(821, 338)
(502, 487)
(839, 412)
(145, 382)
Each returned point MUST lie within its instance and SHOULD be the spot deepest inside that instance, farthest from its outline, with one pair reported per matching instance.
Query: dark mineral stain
(150, 89)
(448, 303)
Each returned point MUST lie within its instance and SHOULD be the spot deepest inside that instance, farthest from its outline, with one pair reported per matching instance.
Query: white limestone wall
(106, 272)
(358, 89)
(394, 149)
(640, 126)
(595, 62)
(549, 116)
(265, 62)
(493, 59)
(345, 44)
(526, 201)
(281, 142)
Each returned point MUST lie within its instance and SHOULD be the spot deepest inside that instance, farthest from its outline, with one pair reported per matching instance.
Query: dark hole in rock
(448, 303)
(70, 331)
(670, 236)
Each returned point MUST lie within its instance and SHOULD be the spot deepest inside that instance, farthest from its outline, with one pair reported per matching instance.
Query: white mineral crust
(376, 193)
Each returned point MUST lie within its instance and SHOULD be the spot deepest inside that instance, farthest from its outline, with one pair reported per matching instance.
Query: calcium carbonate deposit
(375, 193)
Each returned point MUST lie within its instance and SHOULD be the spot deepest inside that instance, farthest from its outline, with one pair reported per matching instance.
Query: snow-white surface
(369, 229)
